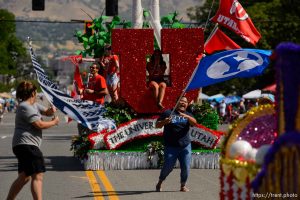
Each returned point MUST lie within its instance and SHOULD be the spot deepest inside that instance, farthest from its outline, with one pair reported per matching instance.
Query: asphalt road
(66, 179)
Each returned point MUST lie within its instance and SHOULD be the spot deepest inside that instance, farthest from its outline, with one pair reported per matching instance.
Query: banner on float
(204, 136)
(145, 127)
(134, 129)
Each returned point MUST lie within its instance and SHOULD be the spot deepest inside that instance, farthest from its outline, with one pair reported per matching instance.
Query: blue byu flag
(229, 64)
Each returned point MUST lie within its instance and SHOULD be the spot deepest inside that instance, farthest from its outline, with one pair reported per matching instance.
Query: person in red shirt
(156, 69)
(96, 88)
(109, 69)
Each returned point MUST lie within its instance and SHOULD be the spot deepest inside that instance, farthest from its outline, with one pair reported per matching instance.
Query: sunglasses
(93, 67)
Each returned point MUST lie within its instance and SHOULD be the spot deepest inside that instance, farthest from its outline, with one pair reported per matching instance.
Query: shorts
(112, 79)
(158, 80)
(30, 159)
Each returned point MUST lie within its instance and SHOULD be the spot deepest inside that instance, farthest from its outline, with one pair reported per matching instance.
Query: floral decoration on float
(144, 128)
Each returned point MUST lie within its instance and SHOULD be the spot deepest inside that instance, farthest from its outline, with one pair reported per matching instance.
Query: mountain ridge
(52, 36)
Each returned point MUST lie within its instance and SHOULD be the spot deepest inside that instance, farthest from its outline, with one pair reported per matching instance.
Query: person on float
(95, 90)
(177, 142)
(27, 140)
(156, 68)
(109, 69)
(110, 63)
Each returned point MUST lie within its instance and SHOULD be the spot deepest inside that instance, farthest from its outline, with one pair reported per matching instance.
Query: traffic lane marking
(112, 195)
(80, 177)
(94, 185)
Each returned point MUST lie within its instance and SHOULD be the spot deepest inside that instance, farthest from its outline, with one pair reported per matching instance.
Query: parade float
(135, 143)
(260, 155)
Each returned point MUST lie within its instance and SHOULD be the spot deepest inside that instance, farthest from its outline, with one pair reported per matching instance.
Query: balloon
(239, 149)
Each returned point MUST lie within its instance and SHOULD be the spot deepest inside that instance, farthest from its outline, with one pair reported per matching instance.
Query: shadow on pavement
(8, 163)
(51, 138)
(63, 163)
(118, 193)
(53, 163)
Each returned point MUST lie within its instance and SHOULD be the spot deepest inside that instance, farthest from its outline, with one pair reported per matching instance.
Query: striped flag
(87, 113)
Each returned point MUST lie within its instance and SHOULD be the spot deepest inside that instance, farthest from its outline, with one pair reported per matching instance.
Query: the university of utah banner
(134, 129)
(145, 127)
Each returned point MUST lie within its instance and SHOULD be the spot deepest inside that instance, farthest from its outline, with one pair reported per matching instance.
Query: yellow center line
(94, 185)
(112, 195)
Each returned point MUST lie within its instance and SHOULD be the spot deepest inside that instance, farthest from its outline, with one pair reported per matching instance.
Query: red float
(133, 45)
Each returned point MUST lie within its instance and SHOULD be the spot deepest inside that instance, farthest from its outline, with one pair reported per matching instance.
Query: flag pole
(211, 34)
(212, 4)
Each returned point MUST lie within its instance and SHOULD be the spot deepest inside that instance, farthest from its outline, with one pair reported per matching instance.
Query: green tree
(13, 53)
(276, 20)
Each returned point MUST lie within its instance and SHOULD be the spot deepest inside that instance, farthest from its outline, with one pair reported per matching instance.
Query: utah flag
(233, 16)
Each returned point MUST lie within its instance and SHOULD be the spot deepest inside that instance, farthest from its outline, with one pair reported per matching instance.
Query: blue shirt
(176, 133)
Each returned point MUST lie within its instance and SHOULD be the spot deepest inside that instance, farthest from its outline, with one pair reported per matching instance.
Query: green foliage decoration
(205, 115)
(93, 44)
(171, 21)
(120, 114)
(155, 148)
(80, 145)
(146, 14)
